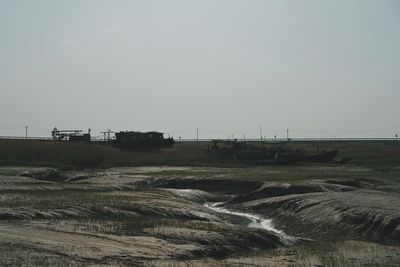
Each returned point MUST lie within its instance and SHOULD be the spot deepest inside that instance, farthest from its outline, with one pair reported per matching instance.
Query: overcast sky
(319, 68)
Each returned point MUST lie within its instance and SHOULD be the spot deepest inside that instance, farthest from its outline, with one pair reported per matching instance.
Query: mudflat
(314, 214)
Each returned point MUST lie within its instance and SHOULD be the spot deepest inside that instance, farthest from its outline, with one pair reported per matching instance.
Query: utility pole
(261, 135)
(197, 134)
(26, 132)
(287, 134)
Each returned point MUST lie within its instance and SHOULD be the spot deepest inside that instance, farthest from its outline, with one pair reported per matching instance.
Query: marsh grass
(65, 155)
(382, 156)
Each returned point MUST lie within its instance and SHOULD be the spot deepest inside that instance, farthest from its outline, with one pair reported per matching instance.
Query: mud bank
(319, 209)
(323, 210)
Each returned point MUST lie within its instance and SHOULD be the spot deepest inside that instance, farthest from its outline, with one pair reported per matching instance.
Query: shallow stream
(255, 221)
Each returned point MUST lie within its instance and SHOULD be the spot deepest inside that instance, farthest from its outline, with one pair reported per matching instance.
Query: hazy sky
(319, 68)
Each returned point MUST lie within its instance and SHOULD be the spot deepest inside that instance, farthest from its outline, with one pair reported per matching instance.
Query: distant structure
(107, 135)
(70, 135)
(137, 140)
(128, 140)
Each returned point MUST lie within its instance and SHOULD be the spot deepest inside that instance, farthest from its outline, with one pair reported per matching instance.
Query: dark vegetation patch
(65, 155)
(359, 183)
(46, 174)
